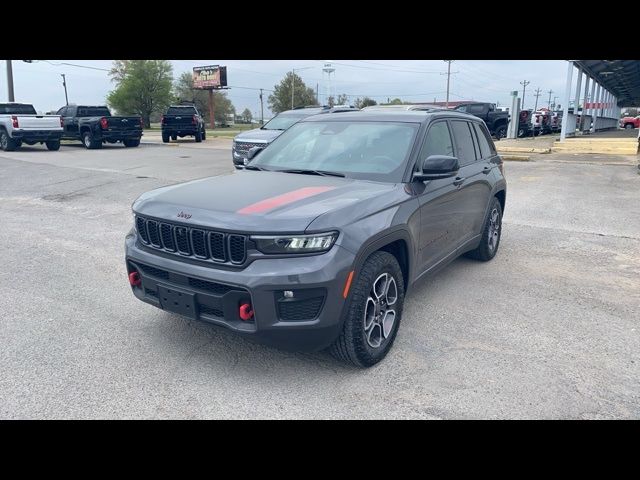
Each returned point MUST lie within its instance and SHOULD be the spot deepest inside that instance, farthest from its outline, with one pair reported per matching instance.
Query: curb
(515, 158)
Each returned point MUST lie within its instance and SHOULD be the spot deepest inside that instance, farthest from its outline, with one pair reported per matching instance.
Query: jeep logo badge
(184, 215)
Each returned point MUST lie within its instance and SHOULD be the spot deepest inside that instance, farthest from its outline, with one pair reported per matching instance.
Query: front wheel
(491, 232)
(53, 145)
(374, 312)
(628, 126)
(501, 132)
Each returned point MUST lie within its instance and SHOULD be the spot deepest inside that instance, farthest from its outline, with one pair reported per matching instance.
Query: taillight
(163, 120)
(141, 123)
(14, 121)
(104, 123)
(61, 122)
(194, 120)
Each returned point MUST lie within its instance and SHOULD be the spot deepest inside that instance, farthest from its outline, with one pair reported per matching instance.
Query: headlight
(317, 242)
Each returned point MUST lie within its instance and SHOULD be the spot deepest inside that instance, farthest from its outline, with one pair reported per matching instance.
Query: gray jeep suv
(317, 241)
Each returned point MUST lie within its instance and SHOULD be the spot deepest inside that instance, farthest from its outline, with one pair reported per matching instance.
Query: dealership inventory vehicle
(263, 136)
(94, 125)
(630, 122)
(20, 123)
(180, 121)
(496, 120)
(317, 241)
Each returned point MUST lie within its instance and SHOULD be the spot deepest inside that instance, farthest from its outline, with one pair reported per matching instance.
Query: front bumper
(37, 135)
(311, 320)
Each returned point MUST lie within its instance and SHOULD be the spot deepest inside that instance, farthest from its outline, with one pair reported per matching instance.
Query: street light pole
(64, 84)
(10, 81)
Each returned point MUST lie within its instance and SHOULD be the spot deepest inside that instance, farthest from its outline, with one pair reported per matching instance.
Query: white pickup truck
(19, 123)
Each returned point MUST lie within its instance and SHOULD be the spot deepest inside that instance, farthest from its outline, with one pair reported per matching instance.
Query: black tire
(487, 250)
(628, 125)
(89, 142)
(53, 145)
(522, 133)
(501, 132)
(198, 137)
(165, 137)
(353, 345)
(204, 134)
(131, 142)
(7, 143)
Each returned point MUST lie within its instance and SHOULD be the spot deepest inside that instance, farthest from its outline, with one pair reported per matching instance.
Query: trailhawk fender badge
(184, 215)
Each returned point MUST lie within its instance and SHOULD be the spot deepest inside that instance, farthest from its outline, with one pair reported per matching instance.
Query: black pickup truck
(94, 125)
(496, 120)
(180, 121)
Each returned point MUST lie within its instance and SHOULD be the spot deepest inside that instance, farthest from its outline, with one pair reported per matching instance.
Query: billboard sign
(209, 77)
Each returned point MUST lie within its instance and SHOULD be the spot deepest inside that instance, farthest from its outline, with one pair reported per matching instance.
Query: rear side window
(475, 109)
(17, 109)
(487, 147)
(93, 112)
(464, 142)
(438, 141)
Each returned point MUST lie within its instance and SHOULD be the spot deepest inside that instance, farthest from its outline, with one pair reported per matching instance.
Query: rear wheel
(375, 309)
(165, 137)
(198, 136)
(629, 126)
(89, 142)
(53, 145)
(131, 142)
(7, 143)
(491, 233)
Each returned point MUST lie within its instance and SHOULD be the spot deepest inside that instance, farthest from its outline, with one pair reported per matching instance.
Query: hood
(258, 201)
(258, 135)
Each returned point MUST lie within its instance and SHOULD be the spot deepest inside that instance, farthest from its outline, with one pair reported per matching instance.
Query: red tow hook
(246, 313)
(134, 279)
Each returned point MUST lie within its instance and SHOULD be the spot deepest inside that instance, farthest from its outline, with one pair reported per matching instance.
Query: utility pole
(448, 79)
(317, 101)
(293, 79)
(537, 95)
(10, 81)
(554, 103)
(524, 84)
(549, 103)
(261, 109)
(64, 84)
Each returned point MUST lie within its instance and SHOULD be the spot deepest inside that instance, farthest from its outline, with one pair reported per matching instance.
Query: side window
(437, 142)
(485, 151)
(475, 109)
(464, 142)
(62, 111)
(485, 139)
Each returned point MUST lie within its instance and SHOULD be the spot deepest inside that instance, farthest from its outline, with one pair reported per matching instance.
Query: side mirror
(253, 151)
(435, 167)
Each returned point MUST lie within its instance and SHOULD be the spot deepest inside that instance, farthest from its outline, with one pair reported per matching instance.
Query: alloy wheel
(380, 312)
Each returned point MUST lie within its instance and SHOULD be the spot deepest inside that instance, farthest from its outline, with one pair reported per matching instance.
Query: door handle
(486, 170)
(459, 181)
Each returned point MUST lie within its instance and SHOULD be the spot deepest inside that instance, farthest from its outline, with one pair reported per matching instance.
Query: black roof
(620, 77)
(409, 116)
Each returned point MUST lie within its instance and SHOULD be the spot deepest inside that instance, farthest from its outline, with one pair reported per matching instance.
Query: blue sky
(40, 82)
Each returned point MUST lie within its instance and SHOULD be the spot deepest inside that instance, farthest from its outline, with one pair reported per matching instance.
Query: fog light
(288, 294)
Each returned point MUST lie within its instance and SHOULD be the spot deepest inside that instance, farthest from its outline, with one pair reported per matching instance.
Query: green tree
(280, 99)
(185, 92)
(364, 102)
(395, 101)
(246, 115)
(143, 87)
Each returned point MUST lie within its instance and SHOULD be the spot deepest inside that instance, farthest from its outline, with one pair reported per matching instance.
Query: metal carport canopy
(620, 77)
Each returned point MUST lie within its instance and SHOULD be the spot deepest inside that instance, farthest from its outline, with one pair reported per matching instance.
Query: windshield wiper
(323, 173)
(253, 167)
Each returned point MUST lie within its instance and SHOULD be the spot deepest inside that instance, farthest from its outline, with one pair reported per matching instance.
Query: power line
(385, 69)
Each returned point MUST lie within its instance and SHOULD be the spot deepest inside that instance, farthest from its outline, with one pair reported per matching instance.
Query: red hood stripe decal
(284, 199)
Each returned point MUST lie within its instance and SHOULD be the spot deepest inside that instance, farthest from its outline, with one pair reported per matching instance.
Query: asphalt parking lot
(549, 329)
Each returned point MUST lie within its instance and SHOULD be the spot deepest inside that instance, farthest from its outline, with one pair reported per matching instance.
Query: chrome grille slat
(198, 243)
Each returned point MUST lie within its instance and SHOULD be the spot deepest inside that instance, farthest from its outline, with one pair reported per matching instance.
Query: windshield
(364, 150)
(93, 112)
(282, 122)
(181, 111)
(17, 109)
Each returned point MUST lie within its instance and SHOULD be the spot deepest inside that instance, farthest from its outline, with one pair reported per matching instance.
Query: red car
(630, 122)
